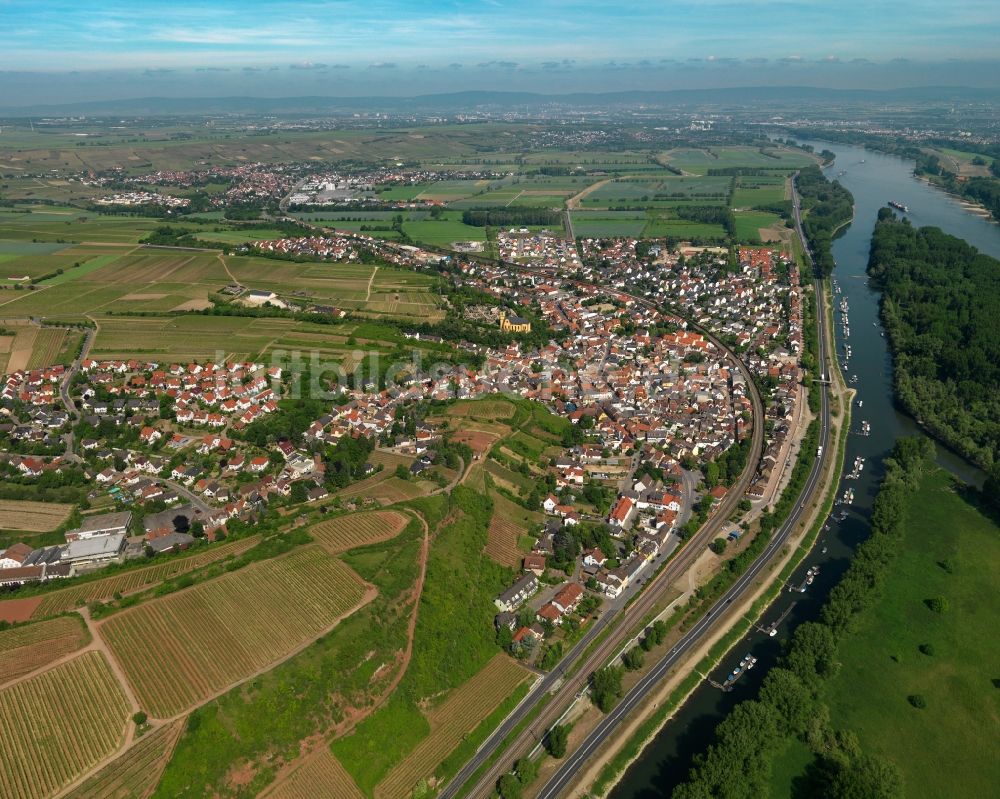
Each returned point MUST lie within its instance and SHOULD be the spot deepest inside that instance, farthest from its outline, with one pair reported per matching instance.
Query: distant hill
(775, 96)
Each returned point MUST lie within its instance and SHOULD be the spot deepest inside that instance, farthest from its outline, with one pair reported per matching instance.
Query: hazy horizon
(60, 52)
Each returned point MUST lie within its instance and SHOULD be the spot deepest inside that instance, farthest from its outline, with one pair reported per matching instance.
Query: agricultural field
(443, 233)
(660, 227)
(754, 191)
(756, 226)
(698, 161)
(600, 224)
(32, 517)
(135, 774)
(393, 490)
(180, 650)
(950, 549)
(450, 721)
(64, 599)
(485, 410)
(32, 646)
(660, 192)
(358, 529)
(319, 775)
(388, 461)
(503, 544)
(58, 724)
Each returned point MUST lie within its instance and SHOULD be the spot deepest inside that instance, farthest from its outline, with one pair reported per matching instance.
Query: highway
(563, 778)
(618, 613)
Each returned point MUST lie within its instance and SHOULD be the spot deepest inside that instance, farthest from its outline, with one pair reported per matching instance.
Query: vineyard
(33, 517)
(450, 722)
(135, 774)
(482, 409)
(180, 650)
(355, 530)
(320, 774)
(136, 579)
(502, 543)
(57, 725)
(24, 649)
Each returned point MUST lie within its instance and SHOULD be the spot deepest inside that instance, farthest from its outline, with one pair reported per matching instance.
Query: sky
(75, 50)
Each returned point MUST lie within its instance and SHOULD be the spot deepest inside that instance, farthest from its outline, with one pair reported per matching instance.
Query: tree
(606, 687)
(556, 740)
(299, 492)
(198, 528)
(402, 472)
(139, 717)
(865, 777)
(718, 546)
(509, 787)
(634, 658)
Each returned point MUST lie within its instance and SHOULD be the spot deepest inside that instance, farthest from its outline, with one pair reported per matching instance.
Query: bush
(634, 658)
(718, 546)
(927, 649)
(917, 700)
(937, 603)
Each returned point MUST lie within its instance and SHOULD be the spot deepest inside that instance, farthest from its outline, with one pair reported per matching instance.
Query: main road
(623, 615)
(563, 778)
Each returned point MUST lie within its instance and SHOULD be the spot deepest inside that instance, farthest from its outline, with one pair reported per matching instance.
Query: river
(874, 179)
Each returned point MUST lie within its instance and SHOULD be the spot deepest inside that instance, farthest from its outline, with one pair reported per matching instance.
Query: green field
(749, 223)
(699, 161)
(443, 233)
(661, 227)
(950, 550)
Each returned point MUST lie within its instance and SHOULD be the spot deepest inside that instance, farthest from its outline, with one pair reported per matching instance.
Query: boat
(898, 206)
(861, 403)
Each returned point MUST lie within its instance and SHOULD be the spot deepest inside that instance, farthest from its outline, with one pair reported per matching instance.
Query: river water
(874, 179)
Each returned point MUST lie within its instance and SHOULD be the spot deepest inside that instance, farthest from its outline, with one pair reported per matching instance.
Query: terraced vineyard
(180, 650)
(24, 649)
(69, 598)
(55, 726)
(318, 775)
(450, 722)
(482, 409)
(135, 774)
(357, 529)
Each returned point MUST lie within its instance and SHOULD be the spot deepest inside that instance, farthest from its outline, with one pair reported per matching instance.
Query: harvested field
(58, 724)
(319, 775)
(34, 517)
(13, 610)
(135, 774)
(186, 647)
(24, 649)
(133, 580)
(357, 529)
(451, 721)
(477, 440)
(395, 490)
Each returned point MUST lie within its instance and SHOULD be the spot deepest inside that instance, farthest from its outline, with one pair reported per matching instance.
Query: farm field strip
(56, 725)
(34, 517)
(68, 598)
(358, 529)
(319, 775)
(183, 648)
(450, 721)
(24, 649)
(135, 774)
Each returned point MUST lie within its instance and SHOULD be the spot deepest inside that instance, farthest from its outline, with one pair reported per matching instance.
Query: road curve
(563, 778)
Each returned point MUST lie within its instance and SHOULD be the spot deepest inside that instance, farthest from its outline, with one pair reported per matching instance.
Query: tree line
(940, 304)
(829, 206)
(738, 763)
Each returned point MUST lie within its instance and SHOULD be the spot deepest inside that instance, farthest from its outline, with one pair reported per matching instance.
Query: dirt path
(573, 202)
(371, 280)
(226, 267)
(318, 742)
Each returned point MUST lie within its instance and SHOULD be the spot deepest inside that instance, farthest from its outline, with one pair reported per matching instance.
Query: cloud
(307, 65)
(791, 59)
(757, 60)
(154, 71)
(211, 69)
(383, 65)
(566, 63)
(831, 59)
(454, 65)
(340, 66)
